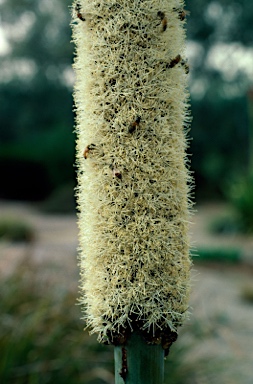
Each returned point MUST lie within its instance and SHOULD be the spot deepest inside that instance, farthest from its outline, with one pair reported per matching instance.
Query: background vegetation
(42, 339)
(36, 137)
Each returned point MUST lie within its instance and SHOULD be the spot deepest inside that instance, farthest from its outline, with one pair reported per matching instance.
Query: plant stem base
(136, 362)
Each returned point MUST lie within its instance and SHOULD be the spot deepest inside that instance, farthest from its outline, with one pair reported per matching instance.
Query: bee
(87, 149)
(134, 125)
(174, 62)
(163, 19)
(123, 372)
(186, 67)
(181, 13)
(78, 12)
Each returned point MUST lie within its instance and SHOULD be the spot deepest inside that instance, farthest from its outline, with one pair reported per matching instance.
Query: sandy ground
(224, 321)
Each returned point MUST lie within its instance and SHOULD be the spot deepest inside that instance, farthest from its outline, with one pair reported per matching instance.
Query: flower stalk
(139, 363)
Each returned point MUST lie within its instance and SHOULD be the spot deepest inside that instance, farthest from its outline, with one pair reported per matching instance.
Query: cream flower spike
(133, 180)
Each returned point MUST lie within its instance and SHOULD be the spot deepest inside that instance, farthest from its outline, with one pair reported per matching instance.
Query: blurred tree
(221, 68)
(37, 68)
(220, 143)
(220, 46)
(36, 96)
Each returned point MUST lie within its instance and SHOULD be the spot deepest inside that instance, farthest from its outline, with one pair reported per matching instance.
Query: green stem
(136, 362)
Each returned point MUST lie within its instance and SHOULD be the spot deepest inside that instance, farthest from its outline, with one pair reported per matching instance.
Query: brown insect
(78, 12)
(124, 370)
(87, 149)
(186, 67)
(174, 62)
(181, 13)
(134, 125)
(163, 20)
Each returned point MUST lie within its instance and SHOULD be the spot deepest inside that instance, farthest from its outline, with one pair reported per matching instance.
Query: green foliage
(227, 255)
(41, 336)
(220, 143)
(37, 143)
(219, 132)
(240, 194)
(220, 24)
(15, 230)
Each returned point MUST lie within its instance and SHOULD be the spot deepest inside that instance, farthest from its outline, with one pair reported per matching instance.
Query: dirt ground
(225, 319)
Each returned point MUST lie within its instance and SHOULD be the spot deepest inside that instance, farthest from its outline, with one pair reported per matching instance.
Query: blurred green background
(41, 336)
(36, 137)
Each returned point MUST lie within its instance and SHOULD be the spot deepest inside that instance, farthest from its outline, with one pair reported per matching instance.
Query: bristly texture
(133, 182)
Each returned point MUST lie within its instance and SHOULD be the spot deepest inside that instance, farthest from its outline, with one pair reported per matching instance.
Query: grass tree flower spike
(133, 180)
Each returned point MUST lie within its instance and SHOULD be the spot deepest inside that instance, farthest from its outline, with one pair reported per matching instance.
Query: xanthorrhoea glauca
(133, 181)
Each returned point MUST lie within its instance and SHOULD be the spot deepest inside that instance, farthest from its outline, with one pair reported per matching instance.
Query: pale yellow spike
(133, 184)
